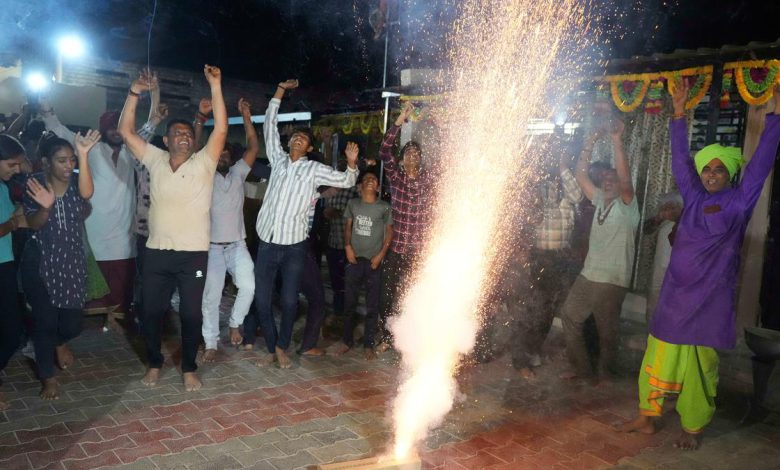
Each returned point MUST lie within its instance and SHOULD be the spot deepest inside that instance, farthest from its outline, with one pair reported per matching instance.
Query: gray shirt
(368, 225)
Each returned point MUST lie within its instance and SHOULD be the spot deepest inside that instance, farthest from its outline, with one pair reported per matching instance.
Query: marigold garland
(631, 101)
(752, 92)
(698, 90)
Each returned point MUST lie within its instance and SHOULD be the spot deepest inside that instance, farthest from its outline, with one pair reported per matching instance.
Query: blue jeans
(289, 261)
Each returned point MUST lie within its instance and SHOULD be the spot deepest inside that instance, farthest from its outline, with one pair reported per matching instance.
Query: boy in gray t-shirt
(367, 236)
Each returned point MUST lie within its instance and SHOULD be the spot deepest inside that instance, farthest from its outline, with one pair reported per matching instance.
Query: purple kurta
(697, 300)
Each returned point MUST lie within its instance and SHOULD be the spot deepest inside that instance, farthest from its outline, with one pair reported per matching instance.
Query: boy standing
(367, 236)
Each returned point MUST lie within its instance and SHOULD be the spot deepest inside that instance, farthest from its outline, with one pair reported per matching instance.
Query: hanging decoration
(725, 88)
(353, 123)
(628, 91)
(755, 79)
(699, 87)
(655, 101)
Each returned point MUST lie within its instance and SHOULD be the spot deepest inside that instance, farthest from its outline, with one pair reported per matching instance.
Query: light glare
(71, 46)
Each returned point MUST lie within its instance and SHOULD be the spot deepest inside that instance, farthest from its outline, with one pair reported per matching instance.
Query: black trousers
(51, 326)
(164, 271)
(395, 271)
(355, 276)
(10, 316)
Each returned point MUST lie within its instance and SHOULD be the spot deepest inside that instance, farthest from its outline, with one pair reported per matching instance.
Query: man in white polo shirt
(283, 223)
(228, 250)
(179, 223)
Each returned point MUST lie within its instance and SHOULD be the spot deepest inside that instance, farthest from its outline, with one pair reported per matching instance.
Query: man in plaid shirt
(411, 188)
(334, 210)
(553, 268)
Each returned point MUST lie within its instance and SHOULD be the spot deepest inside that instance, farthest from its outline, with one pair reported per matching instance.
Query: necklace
(601, 218)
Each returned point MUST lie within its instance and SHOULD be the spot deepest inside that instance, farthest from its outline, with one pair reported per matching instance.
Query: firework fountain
(501, 55)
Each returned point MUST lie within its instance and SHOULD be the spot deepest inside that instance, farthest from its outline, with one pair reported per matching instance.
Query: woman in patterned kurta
(54, 273)
(696, 309)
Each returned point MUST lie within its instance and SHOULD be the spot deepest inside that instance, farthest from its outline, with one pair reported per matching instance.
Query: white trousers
(234, 259)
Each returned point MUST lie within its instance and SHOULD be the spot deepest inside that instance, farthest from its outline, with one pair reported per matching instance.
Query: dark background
(330, 44)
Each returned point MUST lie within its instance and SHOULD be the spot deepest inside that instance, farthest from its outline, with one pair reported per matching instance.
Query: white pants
(232, 258)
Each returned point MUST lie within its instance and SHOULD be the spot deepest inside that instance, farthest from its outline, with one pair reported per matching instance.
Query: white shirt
(110, 224)
(284, 216)
(227, 202)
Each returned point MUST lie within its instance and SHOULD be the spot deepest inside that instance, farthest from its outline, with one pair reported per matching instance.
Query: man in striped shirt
(410, 187)
(283, 224)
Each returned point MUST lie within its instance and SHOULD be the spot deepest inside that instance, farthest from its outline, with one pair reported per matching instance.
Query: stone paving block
(331, 437)
(338, 452)
(141, 464)
(181, 459)
(232, 446)
(132, 454)
(102, 460)
(292, 446)
(300, 460)
(259, 440)
(222, 462)
(257, 455)
(70, 415)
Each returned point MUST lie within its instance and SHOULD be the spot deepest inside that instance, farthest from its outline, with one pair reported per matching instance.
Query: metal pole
(387, 98)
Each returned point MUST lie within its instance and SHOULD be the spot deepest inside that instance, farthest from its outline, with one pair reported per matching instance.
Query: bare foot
(151, 377)
(369, 354)
(4, 405)
(191, 382)
(246, 347)
(526, 373)
(266, 360)
(281, 357)
(51, 389)
(337, 349)
(65, 357)
(688, 441)
(235, 336)
(641, 424)
(209, 355)
(568, 375)
(383, 346)
(313, 352)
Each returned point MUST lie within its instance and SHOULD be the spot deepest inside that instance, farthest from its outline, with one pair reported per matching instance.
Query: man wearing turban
(696, 311)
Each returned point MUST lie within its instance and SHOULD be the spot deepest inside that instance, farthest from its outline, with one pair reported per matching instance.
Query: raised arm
(252, 142)
(135, 143)
(621, 162)
(216, 141)
(571, 191)
(83, 145)
(758, 168)
(683, 168)
(53, 123)
(201, 116)
(273, 143)
(327, 176)
(386, 149)
(583, 164)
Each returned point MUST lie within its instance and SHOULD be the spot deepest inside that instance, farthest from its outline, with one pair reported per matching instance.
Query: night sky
(330, 44)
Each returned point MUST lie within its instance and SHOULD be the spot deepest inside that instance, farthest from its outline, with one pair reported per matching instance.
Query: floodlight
(71, 46)
(36, 82)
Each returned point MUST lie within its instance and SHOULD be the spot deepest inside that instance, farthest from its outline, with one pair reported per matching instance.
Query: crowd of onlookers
(121, 219)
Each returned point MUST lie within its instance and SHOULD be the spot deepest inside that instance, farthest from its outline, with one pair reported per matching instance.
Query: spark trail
(501, 55)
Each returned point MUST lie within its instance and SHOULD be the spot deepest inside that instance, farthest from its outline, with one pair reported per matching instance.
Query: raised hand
(352, 151)
(213, 74)
(84, 143)
(290, 84)
(160, 113)
(204, 107)
(145, 81)
(40, 194)
(154, 82)
(406, 113)
(680, 96)
(244, 107)
(616, 128)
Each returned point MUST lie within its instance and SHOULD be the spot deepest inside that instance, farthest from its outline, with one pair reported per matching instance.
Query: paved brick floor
(334, 409)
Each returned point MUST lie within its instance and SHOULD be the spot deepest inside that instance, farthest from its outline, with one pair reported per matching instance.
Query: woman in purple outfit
(696, 313)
